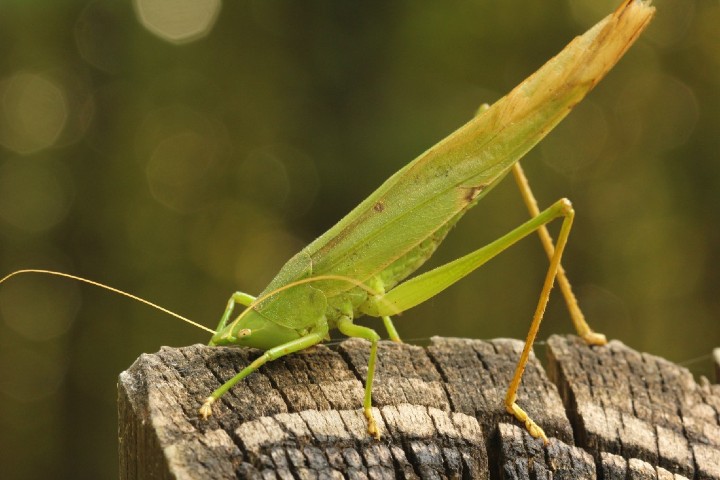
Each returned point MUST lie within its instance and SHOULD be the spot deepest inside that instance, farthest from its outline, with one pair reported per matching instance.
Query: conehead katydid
(360, 266)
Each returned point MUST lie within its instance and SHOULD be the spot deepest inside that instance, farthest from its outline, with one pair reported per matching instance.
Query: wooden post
(611, 413)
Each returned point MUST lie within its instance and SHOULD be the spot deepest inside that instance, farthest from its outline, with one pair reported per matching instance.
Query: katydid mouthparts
(361, 265)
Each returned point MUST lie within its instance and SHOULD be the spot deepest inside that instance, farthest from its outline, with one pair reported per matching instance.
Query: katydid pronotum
(360, 265)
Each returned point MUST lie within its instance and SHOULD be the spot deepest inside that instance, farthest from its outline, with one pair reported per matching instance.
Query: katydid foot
(206, 409)
(594, 338)
(532, 427)
(372, 425)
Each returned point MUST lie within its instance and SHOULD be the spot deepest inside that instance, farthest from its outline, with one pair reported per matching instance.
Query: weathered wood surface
(620, 414)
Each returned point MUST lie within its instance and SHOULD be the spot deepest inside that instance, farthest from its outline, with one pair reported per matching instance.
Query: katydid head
(276, 317)
(252, 329)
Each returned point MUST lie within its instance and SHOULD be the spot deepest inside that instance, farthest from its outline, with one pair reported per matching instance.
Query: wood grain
(610, 411)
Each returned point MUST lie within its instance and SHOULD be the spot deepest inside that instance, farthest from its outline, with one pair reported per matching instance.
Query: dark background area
(181, 152)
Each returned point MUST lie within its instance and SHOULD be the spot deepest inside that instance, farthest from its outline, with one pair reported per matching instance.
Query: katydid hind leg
(576, 314)
(422, 287)
(347, 327)
(272, 354)
(511, 396)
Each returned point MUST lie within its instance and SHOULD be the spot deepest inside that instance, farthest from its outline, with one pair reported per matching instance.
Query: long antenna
(112, 289)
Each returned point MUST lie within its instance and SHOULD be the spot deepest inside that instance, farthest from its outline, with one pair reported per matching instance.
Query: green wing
(434, 190)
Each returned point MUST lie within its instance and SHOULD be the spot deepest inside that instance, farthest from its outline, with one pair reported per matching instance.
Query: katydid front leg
(241, 298)
(576, 315)
(272, 354)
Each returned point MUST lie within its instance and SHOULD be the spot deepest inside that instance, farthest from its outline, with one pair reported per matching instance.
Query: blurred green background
(185, 149)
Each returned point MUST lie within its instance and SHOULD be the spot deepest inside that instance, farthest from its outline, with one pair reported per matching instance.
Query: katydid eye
(244, 332)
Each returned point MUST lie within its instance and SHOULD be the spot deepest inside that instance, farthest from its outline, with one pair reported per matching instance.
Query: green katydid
(359, 266)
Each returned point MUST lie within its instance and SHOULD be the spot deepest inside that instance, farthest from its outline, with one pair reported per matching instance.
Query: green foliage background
(184, 172)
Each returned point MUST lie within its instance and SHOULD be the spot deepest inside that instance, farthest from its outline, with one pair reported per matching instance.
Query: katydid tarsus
(359, 267)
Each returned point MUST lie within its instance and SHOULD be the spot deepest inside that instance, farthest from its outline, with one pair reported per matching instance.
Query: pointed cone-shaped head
(252, 329)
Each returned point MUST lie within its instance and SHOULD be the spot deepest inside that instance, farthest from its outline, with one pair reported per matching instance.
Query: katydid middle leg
(576, 315)
(347, 327)
(390, 327)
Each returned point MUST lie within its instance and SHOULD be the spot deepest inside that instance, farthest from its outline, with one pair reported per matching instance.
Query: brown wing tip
(635, 9)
